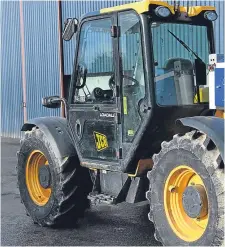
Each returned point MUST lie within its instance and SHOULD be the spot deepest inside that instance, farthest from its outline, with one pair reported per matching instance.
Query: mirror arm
(49, 102)
(66, 106)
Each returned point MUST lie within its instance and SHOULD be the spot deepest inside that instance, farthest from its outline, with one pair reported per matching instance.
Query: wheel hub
(44, 176)
(38, 178)
(185, 203)
(194, 201)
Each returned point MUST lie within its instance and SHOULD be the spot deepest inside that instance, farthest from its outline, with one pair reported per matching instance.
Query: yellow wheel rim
(185, 227)
(38, 194)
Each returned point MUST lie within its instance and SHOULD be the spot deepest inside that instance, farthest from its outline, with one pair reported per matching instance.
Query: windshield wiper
(186, 46)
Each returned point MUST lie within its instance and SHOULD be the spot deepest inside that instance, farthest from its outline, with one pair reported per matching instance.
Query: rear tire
(69, 183)
(196, 153)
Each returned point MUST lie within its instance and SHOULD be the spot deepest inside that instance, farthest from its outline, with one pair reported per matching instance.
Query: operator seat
(183, 79)
(174, 81)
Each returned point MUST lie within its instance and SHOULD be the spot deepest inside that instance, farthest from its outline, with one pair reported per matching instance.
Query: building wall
(11, 70)
(42, 54)
(41, 62)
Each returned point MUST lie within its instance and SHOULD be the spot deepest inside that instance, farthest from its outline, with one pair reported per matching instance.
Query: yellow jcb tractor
(138, 125)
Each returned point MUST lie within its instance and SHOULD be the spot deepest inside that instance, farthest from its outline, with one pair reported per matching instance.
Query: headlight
(162, 11)
(210, 15)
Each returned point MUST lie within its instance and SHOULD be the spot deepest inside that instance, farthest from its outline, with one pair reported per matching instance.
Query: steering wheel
(98, 93)
(112, 81)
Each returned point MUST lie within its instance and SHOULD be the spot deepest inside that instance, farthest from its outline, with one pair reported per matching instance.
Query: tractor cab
(138, 68)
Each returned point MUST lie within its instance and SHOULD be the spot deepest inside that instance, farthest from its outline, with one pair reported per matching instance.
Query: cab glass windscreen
(181, 54)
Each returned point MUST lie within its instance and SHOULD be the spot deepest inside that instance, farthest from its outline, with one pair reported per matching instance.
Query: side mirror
(52, 102)
(70, 28)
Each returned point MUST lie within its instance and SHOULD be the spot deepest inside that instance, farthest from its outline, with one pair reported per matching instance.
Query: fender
(57, 132)
(213, 127)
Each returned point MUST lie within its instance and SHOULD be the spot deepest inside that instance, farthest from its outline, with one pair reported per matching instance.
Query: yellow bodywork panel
(143, 6)
(139, 7)
(196, 10)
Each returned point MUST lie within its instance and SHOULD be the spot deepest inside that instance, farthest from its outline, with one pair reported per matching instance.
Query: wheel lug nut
(172, 188)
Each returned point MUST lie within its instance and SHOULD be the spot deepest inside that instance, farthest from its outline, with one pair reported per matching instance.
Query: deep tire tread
(69, 178)
(71, 200)
(196, 140)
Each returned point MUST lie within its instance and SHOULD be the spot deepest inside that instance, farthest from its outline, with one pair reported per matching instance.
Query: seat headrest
(186, 64)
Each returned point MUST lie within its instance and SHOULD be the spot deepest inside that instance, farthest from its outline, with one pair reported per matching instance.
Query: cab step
(100, 198)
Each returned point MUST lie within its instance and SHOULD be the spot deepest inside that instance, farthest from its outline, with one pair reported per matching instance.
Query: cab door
(134, 86)
(94, 111)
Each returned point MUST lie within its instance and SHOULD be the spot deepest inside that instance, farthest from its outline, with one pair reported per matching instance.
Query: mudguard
(213, 127)
(57, 132)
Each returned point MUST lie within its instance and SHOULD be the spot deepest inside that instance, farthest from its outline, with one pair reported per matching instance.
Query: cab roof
(145, 5)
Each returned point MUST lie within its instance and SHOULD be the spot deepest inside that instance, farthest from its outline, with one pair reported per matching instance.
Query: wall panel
(42, 57)
(11, 70)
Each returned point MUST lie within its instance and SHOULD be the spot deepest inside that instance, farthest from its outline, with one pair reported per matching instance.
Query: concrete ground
(123, 224)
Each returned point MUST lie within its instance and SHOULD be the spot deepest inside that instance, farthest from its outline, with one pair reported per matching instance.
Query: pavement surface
(123, 224)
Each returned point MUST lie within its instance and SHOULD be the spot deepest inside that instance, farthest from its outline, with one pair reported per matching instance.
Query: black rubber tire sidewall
(36, 212)
(165, 165)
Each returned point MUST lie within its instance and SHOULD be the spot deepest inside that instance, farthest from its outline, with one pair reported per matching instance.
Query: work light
(162, 11)
(210, 15)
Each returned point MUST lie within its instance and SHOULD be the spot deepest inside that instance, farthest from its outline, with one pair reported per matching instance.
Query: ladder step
(101, 199)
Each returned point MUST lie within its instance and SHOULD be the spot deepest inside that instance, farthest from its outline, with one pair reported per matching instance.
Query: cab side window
(133, 81)
(95, 68)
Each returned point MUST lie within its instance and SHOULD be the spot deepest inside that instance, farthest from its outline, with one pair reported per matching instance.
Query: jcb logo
(100, 141)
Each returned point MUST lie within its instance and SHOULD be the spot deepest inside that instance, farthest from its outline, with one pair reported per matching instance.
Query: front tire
(186, 192)
(54, 191)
